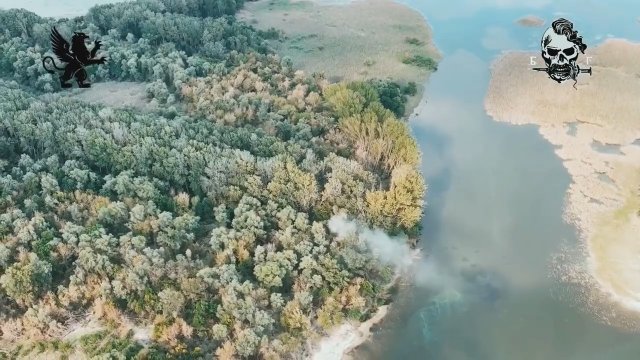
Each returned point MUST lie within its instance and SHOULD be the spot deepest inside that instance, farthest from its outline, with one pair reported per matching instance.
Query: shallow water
(494, 214)
(572, 129)
(606, 148)
(57, 8)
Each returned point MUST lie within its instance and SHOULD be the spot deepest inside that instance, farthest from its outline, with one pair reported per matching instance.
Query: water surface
(494, 213)
(57, 8)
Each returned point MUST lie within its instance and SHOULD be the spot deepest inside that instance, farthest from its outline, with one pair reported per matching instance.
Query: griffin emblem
(76, 55)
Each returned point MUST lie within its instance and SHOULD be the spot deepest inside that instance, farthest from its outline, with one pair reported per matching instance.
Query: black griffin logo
(560, 47)
(76, 56)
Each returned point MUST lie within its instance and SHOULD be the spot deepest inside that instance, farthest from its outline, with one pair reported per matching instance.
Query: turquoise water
(494, 214)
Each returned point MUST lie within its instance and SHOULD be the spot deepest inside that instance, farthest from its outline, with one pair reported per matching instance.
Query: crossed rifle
(588, 71)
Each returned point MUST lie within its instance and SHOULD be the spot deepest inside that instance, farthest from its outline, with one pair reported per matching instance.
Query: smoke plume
(394, 251)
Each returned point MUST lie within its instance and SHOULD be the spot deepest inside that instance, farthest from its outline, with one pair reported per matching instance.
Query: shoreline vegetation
(353, 41)
(188, 219)
(341, 341)
(596, 134)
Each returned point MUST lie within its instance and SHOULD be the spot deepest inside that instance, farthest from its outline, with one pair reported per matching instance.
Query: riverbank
(596, 133)
(347, 337)
(349, 41)
(340, 342)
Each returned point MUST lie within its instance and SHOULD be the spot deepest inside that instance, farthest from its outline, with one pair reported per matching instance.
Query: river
(493, 221)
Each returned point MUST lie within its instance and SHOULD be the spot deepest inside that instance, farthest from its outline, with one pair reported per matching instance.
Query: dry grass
(608, 99)
(603, 199)
(615, 247)
(359, 40)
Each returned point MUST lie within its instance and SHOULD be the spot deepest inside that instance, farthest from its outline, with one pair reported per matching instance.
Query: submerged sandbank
(595, 129)
(530, 21)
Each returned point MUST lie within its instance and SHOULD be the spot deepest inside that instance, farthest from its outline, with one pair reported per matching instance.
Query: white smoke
(428, 273)
(394, 251)
(342, 226)
(389, 250)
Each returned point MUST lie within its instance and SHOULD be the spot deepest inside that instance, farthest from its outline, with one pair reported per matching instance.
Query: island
(596, 132)
(181, 207)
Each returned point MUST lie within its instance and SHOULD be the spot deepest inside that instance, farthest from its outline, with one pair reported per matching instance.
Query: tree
(247, 343)
(293, 319)
(330, 314)
(226, 351)
(392, 95)
(26, 280)
(344, 101)
(171, 301)
(294, 186)
(212, 210)
(401, 206)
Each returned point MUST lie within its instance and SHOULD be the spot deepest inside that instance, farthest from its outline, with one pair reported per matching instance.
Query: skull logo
(560, 48)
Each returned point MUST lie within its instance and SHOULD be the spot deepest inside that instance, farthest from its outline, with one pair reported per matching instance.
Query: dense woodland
(205, 220)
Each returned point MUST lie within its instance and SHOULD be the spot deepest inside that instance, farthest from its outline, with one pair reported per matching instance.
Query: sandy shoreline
(596, 132)
(347, 337)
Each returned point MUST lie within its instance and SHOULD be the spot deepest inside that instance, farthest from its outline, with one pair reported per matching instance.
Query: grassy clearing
(116, 94)
(358, 41)
(104, 341)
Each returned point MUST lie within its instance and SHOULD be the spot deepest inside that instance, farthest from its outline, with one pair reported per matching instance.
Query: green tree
(27, 279)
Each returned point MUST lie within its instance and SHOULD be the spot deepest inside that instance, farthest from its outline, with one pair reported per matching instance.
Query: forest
(206, 220)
